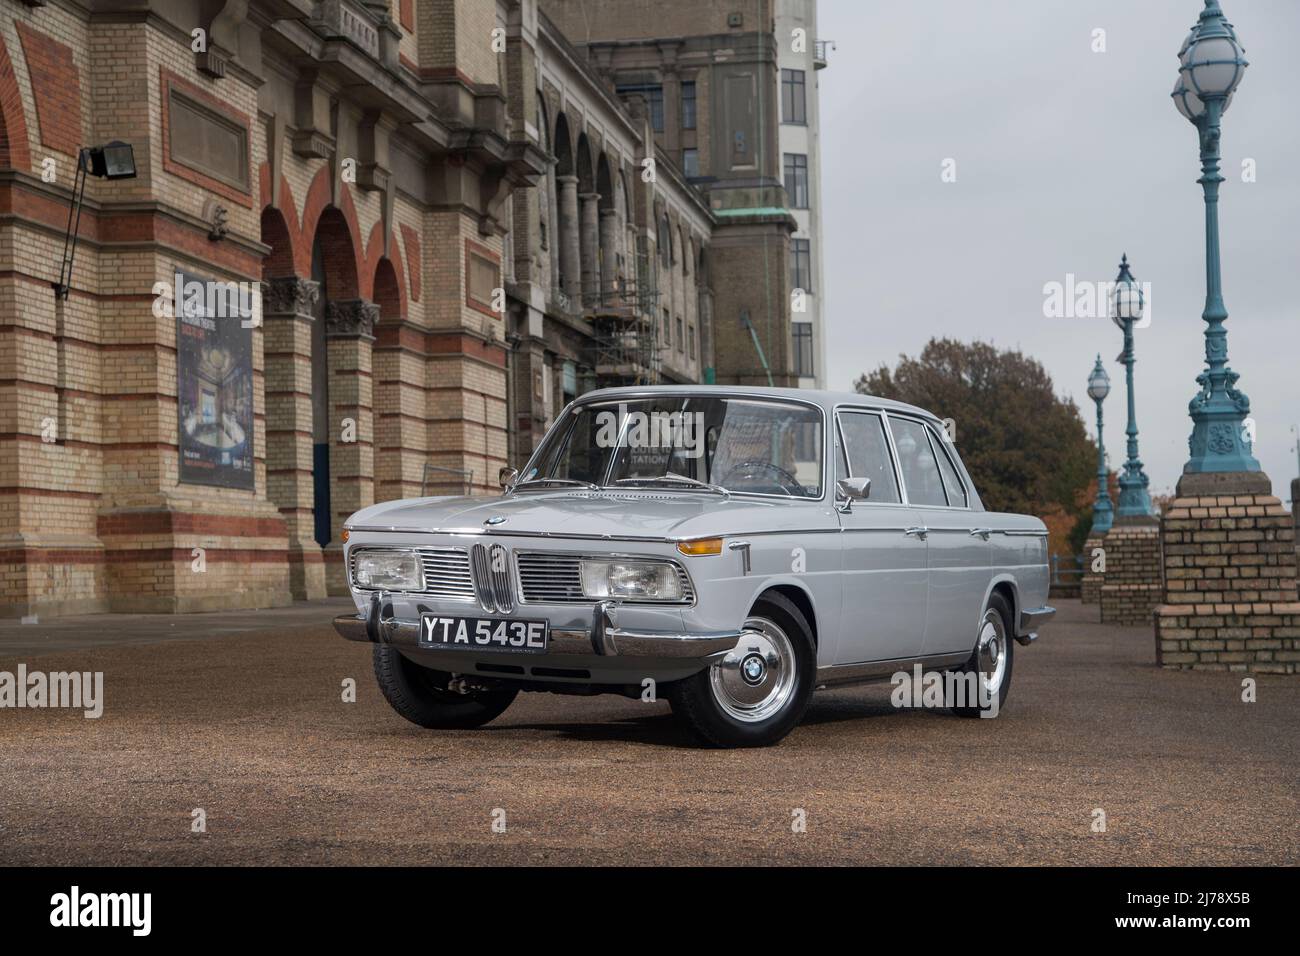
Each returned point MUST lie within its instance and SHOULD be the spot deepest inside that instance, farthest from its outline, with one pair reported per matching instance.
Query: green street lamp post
(1102, 512)
(1129, 306)
(1210, 66)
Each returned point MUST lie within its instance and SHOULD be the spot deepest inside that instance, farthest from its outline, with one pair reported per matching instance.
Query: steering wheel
(786, 481)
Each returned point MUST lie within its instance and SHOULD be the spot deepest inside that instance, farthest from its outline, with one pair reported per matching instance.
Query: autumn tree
(1025, 447)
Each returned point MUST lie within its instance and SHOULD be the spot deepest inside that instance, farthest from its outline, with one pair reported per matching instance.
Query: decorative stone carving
(217, 217)
(351, 318)
(290, 296)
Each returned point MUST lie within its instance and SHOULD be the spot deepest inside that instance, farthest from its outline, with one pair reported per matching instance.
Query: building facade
(369, 249)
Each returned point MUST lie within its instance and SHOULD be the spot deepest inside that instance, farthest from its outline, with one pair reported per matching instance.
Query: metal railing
(1067, 570)
(465, 479)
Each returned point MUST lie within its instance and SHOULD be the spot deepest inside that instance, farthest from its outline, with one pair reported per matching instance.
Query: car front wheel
(759, 691)
(423, 696)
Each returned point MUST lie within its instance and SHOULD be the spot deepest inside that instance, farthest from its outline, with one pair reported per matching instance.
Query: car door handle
(920, 532)
(981, 532)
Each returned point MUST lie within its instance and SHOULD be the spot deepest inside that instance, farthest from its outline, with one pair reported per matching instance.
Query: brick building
(440, 213)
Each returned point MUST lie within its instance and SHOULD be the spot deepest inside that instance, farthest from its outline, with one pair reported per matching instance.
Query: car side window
(948, 471)
(916, 458)
(868, 454)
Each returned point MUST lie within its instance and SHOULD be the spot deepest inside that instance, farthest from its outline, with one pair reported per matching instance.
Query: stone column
(1295, 512)
(1230, 600)
(287, 317)
(1131, 585)
(398, 364)
(609, 231)
(589, 232)
(1090, 581)
(349, 332)
(570, 254)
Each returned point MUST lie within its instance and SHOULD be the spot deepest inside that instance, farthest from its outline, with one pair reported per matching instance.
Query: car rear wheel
(991, 661)
(422, 696)
(759, 691)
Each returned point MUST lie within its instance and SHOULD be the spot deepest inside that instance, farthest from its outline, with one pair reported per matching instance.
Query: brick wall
(1130, 586)
(56, 89)
(1090, 583)
(1230, 599)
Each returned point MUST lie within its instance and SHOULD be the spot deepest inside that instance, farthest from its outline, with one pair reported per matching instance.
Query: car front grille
(492, 580)
(446, 574)
(556, 579)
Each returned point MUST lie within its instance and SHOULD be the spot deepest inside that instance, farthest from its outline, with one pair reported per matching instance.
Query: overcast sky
(1065, 158)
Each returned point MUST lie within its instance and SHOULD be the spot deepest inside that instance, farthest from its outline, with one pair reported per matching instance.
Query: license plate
(483, 634)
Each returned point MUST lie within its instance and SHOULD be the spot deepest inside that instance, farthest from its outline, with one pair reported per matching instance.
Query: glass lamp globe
(1098, 382)
(1211, 63)
(1127, 304)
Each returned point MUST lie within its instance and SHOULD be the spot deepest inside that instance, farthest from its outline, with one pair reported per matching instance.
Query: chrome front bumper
(604, 638)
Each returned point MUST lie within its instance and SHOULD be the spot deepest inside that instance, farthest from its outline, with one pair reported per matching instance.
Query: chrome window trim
(577, 403)
(889, 442)
(936, 444)
(517, 553)
(918, 420)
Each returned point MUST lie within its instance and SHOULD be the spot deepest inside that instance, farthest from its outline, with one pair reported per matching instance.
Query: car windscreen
(746, 445)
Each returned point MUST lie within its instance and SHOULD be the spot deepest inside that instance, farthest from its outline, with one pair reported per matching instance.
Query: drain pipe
(753, 334)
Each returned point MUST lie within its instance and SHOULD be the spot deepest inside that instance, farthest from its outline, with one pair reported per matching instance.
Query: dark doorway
(320, 407)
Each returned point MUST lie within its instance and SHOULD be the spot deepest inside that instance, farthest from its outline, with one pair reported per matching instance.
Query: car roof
(826, 399)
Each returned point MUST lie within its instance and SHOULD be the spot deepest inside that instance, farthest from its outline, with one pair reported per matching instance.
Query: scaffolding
(626, 345)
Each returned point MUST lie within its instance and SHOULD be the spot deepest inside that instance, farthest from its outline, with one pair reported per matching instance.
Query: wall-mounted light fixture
(115, 160)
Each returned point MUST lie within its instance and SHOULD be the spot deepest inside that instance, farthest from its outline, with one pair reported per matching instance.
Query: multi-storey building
(708, 75)
(801, 54)
(369, 249)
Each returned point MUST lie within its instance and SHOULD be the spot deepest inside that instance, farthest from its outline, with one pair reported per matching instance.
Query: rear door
(884, 559)
(959, 548)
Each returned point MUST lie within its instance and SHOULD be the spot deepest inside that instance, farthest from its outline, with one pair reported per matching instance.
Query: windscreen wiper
(677, 479)
(560, 481)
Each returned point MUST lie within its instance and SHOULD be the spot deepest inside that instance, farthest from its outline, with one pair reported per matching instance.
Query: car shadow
(842, 706)
(657, 730)
(663, 730)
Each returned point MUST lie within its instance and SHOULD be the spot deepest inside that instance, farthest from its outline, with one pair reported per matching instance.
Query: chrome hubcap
(991, 652)
(756, 679)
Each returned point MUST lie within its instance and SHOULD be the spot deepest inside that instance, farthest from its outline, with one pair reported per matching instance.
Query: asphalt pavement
(243, 719)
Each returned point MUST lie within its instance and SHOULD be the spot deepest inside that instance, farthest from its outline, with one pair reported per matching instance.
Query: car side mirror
(851, 490)
(507, 476)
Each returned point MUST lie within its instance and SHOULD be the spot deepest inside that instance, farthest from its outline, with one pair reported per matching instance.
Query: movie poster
(214, 371)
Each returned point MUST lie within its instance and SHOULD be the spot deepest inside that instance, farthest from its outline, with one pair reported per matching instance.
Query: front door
(884, 558)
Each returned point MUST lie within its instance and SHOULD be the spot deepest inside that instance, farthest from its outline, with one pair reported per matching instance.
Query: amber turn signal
(700, 546)
(345, 535)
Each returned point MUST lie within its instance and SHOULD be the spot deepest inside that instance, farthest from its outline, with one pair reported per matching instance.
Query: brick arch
(375, 262)
(277, 233)
(283, 216)
(333, 232)
(317, 206)
(15, 151)
(388, 292)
